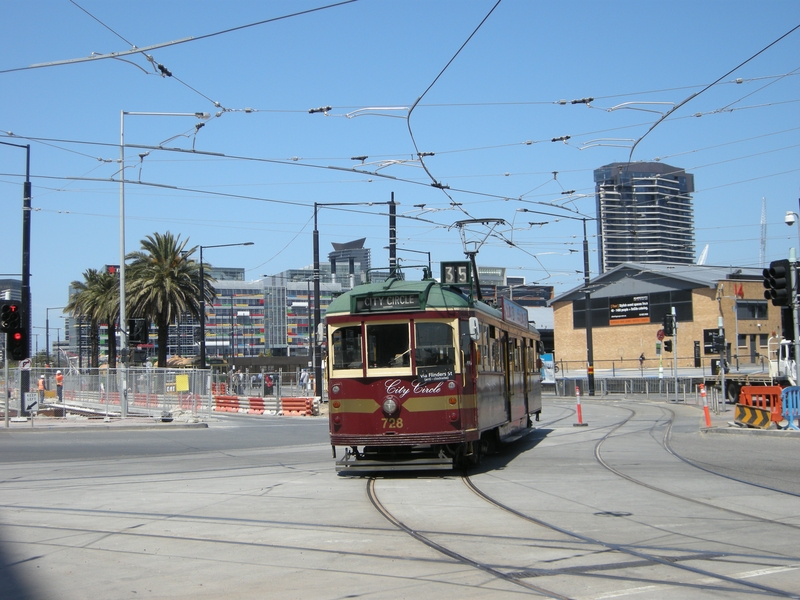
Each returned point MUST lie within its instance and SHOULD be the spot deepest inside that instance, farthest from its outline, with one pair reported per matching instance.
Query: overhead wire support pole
(26, 272)
(203, 299)
(795, 312)
(318, 387)
(589, 344)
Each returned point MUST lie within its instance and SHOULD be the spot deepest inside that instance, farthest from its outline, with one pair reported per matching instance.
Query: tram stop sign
(660, 335)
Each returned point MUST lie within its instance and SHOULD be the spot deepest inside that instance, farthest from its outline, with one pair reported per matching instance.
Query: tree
(164, 283)
(83, 303)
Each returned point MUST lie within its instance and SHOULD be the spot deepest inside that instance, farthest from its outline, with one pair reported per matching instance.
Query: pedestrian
(303, 379)
(42, 388)
(60, 387)
(268, 385)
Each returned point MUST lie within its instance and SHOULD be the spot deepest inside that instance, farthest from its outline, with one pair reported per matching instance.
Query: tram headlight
(390, 405)
(335, 388)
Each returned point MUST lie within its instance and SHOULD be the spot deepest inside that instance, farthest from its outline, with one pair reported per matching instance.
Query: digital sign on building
(629, 310)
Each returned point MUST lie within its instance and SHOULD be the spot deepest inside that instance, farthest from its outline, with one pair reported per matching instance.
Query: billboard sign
(629, 310)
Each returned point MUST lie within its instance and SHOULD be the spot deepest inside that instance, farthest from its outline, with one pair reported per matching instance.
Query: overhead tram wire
(174, 42)
(436, 183)
(709, 86)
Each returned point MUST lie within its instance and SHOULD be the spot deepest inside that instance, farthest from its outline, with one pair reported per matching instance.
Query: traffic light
(717, 343)
(667, 345)
(669, 325)
(17, 344)
(137, 332)
(778, 282)
(11, 323)
(10, 316)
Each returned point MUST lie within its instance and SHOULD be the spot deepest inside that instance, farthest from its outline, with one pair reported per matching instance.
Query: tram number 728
(392, 423)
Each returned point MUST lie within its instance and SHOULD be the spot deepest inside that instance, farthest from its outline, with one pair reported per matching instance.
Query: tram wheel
(468, 455)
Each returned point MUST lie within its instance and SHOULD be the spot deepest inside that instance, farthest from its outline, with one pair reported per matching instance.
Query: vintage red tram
(422, 376)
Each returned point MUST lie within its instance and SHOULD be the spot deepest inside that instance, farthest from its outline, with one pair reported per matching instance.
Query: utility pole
(675, 351)
(795, 312)
(722, 360)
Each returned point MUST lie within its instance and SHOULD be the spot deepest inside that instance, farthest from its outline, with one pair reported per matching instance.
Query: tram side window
(388, 346)
(434, 345)
(347, 347)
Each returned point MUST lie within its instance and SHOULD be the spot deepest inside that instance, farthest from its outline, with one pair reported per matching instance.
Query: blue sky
(487, 117)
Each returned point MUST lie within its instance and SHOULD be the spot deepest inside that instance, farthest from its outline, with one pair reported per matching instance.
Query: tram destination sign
(387, 302)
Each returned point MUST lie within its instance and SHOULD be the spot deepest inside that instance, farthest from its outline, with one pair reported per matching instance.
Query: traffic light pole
(675, 351)
(795, 313)
(722, 349)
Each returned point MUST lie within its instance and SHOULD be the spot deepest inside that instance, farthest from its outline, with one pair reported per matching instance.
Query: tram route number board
(457, 273)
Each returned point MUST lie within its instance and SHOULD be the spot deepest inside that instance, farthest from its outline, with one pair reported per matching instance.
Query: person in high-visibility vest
(60, 386)
(42, 388)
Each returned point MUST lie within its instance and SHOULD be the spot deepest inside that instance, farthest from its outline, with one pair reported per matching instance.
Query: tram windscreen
(347, 347)
(388, 346)
(434, 345)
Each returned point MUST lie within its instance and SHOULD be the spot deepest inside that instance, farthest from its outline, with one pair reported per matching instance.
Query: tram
(422, 376)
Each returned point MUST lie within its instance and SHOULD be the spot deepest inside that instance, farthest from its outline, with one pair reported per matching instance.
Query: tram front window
(434, 345)
(347, 347)
(388, 346)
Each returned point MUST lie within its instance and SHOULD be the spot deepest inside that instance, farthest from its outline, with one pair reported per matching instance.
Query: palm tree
(164, 283)
(83, 303)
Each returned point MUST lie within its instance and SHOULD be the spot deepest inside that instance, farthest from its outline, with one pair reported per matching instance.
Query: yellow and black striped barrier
(752, 416)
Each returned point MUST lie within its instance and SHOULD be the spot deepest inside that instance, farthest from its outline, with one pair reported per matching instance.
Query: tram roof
(431, 294)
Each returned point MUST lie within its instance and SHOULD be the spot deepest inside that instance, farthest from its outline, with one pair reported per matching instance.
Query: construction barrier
(297, 407)
(758, 406)
(791, 406)
(255, 405)
(226, 404)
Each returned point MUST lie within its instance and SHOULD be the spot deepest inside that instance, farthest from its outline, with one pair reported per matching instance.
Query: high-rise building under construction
(644, 214)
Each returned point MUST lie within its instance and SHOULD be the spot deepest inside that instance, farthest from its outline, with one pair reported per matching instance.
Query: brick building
(629, 302)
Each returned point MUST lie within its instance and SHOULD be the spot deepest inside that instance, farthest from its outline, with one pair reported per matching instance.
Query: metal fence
(148, 391)
(686, 389)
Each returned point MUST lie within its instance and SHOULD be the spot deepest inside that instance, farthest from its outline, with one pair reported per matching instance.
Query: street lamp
(790, 219)
(586, 291)
(123, 388)
(317, 313)
(203, 299)
(47, 328)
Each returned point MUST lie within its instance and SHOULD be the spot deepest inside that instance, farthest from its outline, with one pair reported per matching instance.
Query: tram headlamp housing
(390, 405)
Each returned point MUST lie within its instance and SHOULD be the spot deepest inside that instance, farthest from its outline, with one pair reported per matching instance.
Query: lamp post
(317, 312)
(26, 268)
(47, 329)
(790, 219)
(586, 291)
(203, 299)
(122, 381)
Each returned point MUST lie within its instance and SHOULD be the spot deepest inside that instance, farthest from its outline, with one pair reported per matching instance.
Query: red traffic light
(16, 336)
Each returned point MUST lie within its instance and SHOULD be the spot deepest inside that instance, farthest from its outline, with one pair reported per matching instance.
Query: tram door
(508, 368)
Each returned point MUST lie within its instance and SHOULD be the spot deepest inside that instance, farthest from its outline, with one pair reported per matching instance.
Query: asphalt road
(637, 504)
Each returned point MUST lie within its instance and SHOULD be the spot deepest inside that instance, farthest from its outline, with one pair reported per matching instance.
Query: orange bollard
(580, 422)
(705, 405)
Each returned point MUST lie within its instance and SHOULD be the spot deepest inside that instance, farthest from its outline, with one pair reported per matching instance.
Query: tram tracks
(701, 578)
(458, 557)
(665, 443)
(519, 577)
